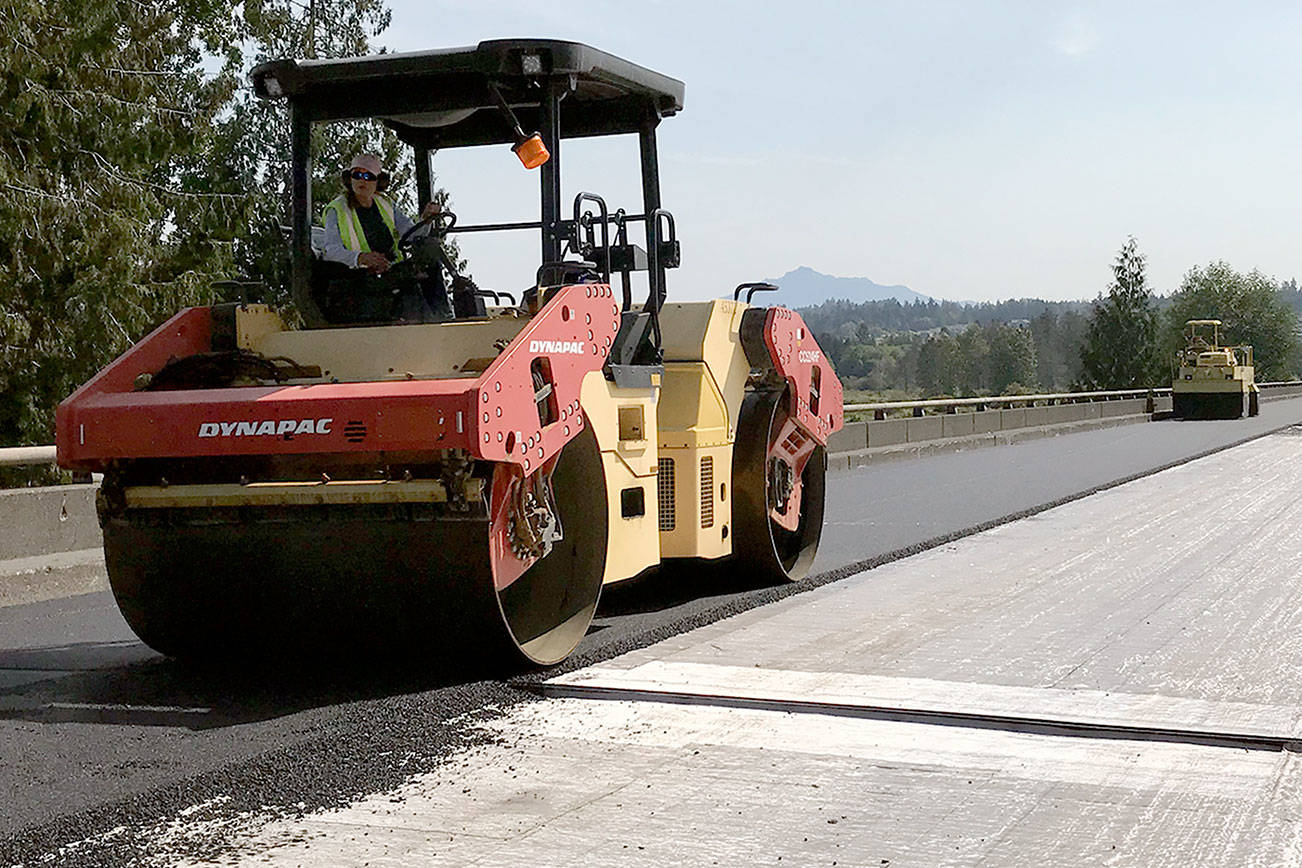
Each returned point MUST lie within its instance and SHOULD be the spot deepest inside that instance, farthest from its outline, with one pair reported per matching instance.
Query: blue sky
(968, 150)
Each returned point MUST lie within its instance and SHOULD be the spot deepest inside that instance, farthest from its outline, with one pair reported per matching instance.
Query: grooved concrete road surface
(1076, 687)
(96, 733)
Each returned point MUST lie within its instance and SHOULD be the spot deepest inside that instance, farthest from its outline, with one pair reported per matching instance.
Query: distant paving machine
(1212, 381)
(463, 487)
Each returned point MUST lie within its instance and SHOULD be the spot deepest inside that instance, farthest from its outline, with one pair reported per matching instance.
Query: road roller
(1212, 381)
(463, 484)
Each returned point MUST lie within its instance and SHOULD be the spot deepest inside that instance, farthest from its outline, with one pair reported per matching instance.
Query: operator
(363, 226)
(362, 229)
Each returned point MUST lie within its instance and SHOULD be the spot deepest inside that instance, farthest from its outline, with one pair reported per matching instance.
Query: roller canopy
(442, 98)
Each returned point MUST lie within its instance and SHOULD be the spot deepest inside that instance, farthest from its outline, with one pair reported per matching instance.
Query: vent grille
(707, 491)
(355, 431)
(665, 492)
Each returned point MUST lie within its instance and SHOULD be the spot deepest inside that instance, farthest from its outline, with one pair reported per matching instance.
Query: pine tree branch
(166, 111)
(119, 175)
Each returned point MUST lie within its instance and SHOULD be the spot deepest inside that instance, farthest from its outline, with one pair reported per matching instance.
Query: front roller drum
(345, 580)
(777, 510)
(1213, 405)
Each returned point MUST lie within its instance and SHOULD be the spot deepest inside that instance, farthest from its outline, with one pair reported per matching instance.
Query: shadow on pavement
(673, 585)
(126, 683)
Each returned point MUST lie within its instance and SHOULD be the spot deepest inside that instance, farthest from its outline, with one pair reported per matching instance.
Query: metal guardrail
(19, 456)
(880, 409)
(950, 405)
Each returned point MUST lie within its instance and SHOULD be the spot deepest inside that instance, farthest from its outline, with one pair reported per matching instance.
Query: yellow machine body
(1212, 380)
(672, 440)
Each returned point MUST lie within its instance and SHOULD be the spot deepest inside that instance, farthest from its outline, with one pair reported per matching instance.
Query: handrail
(1007, 399)
(880, 408)
(18, 456)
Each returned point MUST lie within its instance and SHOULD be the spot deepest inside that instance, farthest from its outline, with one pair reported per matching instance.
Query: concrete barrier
(40, 521)
(958, 424)
(888, 432)
(1128, 407)
(925, 428)
(1010, 419)
(985, 421)
(1040, 415)
(853, 436)
(1291, 390)
(36, 522)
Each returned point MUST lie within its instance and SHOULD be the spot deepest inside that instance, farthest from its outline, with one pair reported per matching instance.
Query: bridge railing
(18, 456)
(887, 409)
(884, 409)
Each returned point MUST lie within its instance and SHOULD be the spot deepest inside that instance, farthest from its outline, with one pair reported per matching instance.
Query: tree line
(1127, 338)
(139, 174)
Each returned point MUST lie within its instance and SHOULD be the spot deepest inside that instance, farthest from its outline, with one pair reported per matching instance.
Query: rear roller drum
(777, 512)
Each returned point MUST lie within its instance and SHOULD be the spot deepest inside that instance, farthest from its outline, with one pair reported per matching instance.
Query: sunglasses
(360, 175)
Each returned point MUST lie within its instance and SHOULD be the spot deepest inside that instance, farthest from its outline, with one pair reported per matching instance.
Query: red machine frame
(493, 416)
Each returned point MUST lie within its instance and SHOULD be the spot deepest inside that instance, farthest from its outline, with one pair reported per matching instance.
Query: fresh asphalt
(97, 732)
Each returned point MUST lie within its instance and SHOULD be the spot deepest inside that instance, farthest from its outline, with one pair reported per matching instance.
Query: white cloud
(1076, 35)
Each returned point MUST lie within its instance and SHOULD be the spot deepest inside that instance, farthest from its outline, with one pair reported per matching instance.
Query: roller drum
(765, 553)
(338, 580)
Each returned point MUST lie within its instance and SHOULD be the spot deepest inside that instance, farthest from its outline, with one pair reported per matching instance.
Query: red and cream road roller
(463, 485)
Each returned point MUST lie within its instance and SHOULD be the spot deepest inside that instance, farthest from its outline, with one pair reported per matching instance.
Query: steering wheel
(443, 220)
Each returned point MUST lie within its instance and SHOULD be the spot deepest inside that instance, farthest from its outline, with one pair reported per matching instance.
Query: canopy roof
(442, 98)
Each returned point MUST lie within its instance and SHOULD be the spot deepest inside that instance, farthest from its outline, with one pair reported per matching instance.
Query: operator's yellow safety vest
(350, 225)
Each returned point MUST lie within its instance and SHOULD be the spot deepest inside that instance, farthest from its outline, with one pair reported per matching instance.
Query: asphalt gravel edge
(426, 727)
(382, 744)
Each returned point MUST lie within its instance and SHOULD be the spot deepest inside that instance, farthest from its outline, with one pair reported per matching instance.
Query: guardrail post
(917, 412)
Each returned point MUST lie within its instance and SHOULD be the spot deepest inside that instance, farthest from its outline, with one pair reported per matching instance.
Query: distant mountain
(805, 287)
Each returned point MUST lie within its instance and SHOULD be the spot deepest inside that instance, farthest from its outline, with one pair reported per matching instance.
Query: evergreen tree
(939, 366)
(1012, 359)
(101, 98)
(973, 361)
(137, 171)
(1121, 349)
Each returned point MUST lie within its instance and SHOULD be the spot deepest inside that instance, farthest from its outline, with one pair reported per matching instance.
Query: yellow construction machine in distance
(1212, 381)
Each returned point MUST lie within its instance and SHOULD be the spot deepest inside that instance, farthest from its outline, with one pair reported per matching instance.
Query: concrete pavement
(1109, 682)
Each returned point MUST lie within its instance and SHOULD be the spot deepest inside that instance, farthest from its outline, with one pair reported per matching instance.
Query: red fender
(778, 339)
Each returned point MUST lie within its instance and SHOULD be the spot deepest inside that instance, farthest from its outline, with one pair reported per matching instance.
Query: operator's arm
(335, 251)
(402, 223)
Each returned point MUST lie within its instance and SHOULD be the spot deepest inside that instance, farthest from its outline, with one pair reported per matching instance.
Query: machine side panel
(527, 401)
(498, 416)
(783, 343)
(705, 383)
(187, 333)
(264, 420)
(624, 421)
(1217, 378)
